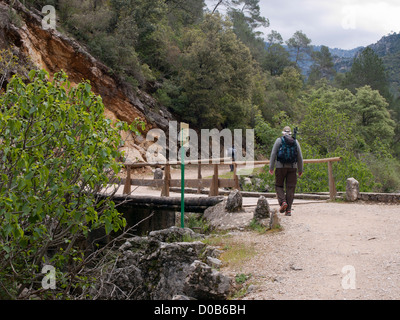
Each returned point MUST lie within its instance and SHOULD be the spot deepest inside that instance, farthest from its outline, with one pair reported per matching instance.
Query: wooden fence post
(167, 179)
(235, 177)
(199, 177)
(214, 182)
(127, 186)
(332, 186)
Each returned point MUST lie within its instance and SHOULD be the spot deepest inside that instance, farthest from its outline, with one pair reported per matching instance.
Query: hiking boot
(283, 207)
(288, 213)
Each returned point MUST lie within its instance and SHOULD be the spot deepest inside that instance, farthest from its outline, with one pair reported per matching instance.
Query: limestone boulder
(274, 221)
(132, 155)
(162, 267)
(206, 283)
(234, 202)
(262, 210)
(158, 174)
(352, 190)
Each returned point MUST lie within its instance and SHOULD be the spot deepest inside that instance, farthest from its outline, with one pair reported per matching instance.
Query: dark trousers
(231, 165)
(286, 177)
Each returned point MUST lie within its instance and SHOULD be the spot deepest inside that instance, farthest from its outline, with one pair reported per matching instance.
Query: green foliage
(184, 13)
(9, 65)
(246, 18)
(368, 69)
(257, 227)
(364, 116)
(282, 95)
(374, 118)
(197, 223)
(276, 59)
(265, 134)
(7, 62)
(215, 77)
(326, 128)
(385, 167)
(57, 152)
(300, 44)
(323, 66)
(333, 126)
(356, 127)
(316, 179)
(242, 278)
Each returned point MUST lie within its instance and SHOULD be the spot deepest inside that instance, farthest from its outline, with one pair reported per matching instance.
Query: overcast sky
(344, 24)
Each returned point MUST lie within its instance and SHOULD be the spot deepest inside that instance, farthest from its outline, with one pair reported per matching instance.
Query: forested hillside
(214, 71)
(387, 48)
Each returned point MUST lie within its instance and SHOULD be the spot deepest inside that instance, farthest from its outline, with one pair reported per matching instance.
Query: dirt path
(306, 259)
(324, 249)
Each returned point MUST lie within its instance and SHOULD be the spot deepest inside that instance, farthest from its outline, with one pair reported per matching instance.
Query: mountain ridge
(387, 48)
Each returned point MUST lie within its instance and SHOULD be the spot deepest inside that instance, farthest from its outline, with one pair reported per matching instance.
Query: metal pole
(184, 138)
(183, 188)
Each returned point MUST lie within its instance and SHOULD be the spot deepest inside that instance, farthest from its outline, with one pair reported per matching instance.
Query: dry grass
(235, 253)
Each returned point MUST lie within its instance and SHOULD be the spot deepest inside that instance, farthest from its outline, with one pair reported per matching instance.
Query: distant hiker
(286, 155)
(231, 152)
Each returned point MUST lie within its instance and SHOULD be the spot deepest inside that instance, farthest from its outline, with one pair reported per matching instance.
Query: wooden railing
(199, 183)
(214, 183)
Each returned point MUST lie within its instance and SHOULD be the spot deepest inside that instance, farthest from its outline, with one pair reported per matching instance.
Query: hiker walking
(231, 152)
(287, 157)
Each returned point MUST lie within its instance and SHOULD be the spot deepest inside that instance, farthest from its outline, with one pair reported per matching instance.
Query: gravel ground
(329, 251)
(326, 251)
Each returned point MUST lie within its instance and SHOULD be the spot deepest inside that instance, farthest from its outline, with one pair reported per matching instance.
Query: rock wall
(353, 194)
(380, 197)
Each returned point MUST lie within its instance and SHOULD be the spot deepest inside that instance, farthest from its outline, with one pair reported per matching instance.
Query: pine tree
(300, 44)
(368, 69)
(323, 66)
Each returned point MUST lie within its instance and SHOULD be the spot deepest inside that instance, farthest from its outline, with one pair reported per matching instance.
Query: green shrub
(57, 152)
(385, 168)
(316, 179)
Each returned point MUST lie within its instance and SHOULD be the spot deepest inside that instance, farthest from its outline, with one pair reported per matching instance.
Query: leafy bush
(265, 134)
(57, 152)
(326, 128)
(316, 179)
(385, 167)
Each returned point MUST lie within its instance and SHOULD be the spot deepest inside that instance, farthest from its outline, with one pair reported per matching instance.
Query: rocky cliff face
(53, 51)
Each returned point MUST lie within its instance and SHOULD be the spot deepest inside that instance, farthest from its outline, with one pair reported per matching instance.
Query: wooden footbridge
(162, 209)
(214, 184)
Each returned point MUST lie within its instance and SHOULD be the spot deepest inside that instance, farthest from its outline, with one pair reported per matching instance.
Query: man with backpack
(231, 152)
(286, 156)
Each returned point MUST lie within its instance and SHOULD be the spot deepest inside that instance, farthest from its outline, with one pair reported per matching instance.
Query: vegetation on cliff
(215, 71)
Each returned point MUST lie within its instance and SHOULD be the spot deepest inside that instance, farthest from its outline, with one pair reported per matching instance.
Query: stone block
(352, 190)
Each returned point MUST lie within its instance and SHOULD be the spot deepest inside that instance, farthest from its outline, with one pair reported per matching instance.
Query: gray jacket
(274, 162)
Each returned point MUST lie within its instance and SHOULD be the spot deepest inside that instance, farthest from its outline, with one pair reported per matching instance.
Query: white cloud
(336, 23)
(375, 16)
